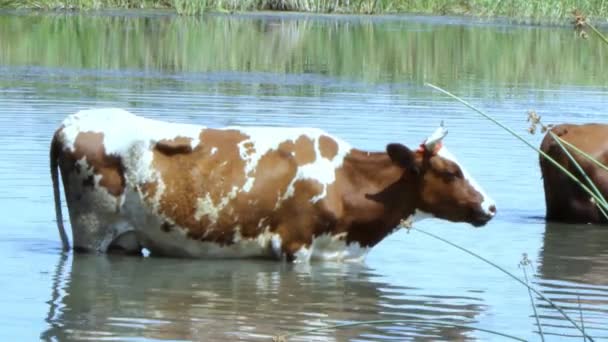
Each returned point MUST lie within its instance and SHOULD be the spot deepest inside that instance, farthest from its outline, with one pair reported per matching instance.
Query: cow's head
(444, 188)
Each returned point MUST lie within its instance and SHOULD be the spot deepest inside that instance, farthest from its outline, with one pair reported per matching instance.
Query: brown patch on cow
(177, 145)
(306, 189)
(287, 148)
(560, 130)
(194, 175)
(149, 189)
(370, 196)
(302, 150)
(273, 175)
(301, 220)
(305, 150)
(90, 145)
(328, 147)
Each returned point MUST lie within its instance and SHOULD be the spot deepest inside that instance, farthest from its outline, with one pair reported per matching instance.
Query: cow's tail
(54, 155)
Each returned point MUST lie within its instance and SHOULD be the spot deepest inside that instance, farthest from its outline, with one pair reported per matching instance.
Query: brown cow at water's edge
(565, 200)
(296, 193)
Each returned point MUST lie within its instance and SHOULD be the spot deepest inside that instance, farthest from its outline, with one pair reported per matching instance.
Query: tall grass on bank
(553, 9)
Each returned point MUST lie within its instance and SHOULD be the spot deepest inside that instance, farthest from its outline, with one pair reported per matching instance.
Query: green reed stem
(540, 329)
(283, 337)
(510, 275)
(580, 310)
(598, 33)
(546, 156)
(601, 206)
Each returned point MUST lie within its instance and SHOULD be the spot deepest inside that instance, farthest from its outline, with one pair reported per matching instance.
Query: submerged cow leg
(126, 243)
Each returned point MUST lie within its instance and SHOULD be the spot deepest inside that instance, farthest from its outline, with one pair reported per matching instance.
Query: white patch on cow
(206, 207)
(213, 150)
(118, 127)
(328, 247)
(238, 237)
(323, 170)
(487, 201)
(302, 255)
(265, 139)
(275, 244)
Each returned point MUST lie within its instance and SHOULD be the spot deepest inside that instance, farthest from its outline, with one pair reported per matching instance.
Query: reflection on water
(573, 265)
(358, 78)
(97, 297)
(358, 48)
(576, 253)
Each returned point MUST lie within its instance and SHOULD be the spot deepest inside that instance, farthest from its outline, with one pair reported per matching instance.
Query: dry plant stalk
(407, 224)
(580, 22)
(525, 262)
(534, 120)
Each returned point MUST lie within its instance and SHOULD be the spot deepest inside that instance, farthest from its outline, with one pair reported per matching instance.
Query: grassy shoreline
(524, 10)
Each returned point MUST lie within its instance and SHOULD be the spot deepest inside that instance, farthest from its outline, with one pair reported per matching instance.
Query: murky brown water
(358, 78)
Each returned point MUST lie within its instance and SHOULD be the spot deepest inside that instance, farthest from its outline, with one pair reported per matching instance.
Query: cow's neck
(377, 196)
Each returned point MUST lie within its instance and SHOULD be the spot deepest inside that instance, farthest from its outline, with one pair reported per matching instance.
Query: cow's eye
(452, 175)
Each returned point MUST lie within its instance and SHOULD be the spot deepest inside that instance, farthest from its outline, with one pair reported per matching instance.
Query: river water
(359, 78)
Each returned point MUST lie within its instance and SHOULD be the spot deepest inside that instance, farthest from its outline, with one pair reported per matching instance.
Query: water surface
(356, 77)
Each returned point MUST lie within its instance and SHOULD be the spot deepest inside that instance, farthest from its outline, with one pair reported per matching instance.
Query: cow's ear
(403, 157)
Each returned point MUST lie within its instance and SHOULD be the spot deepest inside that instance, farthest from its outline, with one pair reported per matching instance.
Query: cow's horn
(435, 138)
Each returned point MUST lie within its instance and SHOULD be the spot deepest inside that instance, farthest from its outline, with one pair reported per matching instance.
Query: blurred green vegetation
(388, 51)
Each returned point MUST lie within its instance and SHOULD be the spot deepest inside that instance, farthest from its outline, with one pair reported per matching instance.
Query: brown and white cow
(191, 191)
(565, 200)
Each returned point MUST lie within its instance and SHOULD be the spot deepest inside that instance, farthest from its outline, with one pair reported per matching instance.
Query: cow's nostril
(492, 209)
